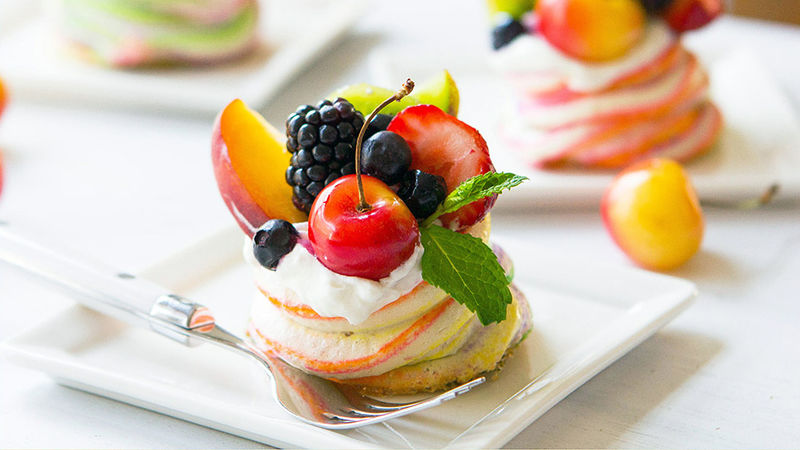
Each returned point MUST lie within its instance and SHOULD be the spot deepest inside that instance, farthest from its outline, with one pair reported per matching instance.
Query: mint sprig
(473, 189)
(462, 265)
(467, 269)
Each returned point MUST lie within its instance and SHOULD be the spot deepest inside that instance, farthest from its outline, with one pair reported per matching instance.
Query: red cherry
(687, 15)
(367, 244)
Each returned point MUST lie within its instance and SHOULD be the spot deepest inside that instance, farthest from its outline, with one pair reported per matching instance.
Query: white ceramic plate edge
(574, 372)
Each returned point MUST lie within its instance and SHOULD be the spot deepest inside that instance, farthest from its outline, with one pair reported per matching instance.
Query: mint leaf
(476, 188)
(467, 269)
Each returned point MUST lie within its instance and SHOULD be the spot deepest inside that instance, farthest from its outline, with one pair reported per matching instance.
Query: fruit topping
(386, 156)
(514, 8)
(321, 139)
(591, 30)
(506, 29)
(686, 15)
(445, 146)
(249, 160)
(422, 192)
(273, 241)
(652, 212)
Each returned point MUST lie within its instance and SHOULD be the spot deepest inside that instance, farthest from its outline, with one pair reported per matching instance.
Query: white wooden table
(129, 187)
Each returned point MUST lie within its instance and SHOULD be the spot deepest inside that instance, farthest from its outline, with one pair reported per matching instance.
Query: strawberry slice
(445, 146)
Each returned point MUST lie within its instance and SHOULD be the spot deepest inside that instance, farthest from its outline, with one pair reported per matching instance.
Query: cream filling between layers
(300, 279)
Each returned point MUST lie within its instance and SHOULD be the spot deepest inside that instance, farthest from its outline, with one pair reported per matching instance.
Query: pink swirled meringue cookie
(132, 33)
(569, 111)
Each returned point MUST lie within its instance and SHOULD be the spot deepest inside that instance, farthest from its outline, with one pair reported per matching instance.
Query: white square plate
(36, 66)
(585, 317)
(759, 145)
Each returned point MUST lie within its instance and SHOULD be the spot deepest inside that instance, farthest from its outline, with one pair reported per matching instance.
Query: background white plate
(35, 65)
(759, 145)
(585, 318)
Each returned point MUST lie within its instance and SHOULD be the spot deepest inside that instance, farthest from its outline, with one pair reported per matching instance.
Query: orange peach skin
(3, 97)
(652, 212)
(592, 30)
(250, 159)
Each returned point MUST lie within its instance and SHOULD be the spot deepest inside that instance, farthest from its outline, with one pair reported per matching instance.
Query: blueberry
(422, 192)
(505, 31)
(273, 241)
(655, 7)
(379, 123)
(386, 156)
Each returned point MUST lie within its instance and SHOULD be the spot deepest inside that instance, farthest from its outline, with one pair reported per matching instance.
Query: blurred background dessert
(132, 33)
(603, 84)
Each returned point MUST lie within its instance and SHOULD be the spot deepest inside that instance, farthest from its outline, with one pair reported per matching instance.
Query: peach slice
(250, 159)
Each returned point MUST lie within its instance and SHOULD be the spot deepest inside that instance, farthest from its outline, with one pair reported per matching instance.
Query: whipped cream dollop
(301, 279)
(532, 53)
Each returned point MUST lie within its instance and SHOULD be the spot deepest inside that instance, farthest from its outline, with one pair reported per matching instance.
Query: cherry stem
(408, 86)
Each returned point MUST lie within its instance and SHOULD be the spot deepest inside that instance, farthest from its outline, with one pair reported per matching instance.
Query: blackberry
(322, 141)
(422, 192)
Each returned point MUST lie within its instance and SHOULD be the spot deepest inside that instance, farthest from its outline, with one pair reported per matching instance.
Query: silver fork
(139, 302)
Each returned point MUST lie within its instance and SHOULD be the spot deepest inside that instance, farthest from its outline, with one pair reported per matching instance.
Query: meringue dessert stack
(570, 110)
(398, 335)
(133, 33)
(384, 278)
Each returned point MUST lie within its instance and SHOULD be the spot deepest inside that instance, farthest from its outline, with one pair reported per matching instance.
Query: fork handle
(112, 292)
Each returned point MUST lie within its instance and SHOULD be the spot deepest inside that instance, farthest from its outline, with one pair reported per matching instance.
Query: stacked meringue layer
(653, 102)
(130, 33)
(418, 340)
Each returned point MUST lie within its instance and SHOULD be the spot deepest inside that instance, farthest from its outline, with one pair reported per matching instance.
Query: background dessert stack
(601, 84)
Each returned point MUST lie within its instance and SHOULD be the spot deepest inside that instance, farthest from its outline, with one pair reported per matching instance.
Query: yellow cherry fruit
(652, 212)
